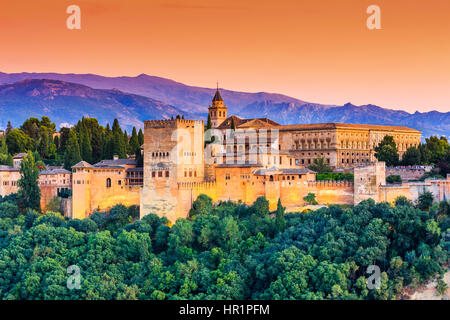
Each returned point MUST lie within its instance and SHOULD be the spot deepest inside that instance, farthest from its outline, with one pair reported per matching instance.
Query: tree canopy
(227, 251)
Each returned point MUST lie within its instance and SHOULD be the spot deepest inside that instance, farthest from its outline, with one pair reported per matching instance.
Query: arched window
(108, 183)
(271, 178)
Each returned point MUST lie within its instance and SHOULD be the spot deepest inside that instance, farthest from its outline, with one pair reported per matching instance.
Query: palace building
(342, 145)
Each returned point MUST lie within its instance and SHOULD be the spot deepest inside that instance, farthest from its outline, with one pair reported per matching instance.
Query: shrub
(394, 178)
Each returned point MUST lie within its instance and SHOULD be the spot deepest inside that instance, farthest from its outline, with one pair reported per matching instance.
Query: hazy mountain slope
(187, 98)
(430, 123)
(195, 100)
(67, 102)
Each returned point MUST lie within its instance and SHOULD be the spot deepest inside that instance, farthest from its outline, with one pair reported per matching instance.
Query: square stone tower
(173, 154)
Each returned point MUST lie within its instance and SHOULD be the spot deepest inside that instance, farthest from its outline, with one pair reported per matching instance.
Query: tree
(126, 142)
(18, 141)
(393, 178)
(201, 206)
(9, 127)
(140, 137)
(208, 122)
(310, 198)
(261, 206)
(4, 146)
(387, 151)
(437, 148)
(29, 195)
(85, 144)
(63, 140)
(425, 201)
(43, 147)
(134, 141)
(31, 128)
(97, 144)
(279, 219)
(72, 155)
(139, 158)
(118, 144)
(320, 166)
(402, 201)
(411, 157)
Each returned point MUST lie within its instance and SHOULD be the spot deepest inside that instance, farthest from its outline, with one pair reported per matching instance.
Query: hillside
(67, 102)
(195, 100)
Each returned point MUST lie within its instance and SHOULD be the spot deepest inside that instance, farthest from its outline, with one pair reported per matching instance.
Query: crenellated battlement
(330, 183)
(197, 185)
(169, 123)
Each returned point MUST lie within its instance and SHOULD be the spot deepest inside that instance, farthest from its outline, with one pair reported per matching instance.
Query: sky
(317, 51)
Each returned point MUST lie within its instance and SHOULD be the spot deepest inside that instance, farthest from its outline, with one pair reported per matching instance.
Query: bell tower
(217, 110)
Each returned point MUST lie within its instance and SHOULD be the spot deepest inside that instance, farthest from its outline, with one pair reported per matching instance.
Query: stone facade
(342, 145)
(103, 185)
(53, 181)
(440, 188)
(406, 174)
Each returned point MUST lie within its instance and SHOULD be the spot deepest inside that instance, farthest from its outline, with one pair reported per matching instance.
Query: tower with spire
(217, 110)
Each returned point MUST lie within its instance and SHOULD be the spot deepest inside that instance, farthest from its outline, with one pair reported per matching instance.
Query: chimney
(116, 157)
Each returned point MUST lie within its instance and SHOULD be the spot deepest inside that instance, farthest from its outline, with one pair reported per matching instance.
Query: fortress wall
(392, 192)
(160, 196)
(103, 198)
(367, 181)
(406, 174)
(327, 192)
(48, 192)
(332, 192)
(189, 192)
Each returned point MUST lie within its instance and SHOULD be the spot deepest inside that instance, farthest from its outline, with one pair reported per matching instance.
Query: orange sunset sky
(317, 51)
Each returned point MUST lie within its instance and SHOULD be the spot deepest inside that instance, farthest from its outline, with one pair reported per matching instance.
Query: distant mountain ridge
(193, 101)
(66, 103)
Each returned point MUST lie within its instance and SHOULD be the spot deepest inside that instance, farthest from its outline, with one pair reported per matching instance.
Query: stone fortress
(237, 160)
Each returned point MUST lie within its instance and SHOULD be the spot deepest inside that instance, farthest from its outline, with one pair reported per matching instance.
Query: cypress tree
(126, 143)
(139, 158)
(56, 142)
(118, 146)
(134, 141)
(4, 146)
(208, 123)
(9, 160)
(279, 220)
(29, 195)
(140, 137)
(43, 147)
(97, 144)
(9, 127)
(85, 145)
(72, 155)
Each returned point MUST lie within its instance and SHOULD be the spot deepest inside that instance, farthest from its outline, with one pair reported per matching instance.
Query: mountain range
(65, 98)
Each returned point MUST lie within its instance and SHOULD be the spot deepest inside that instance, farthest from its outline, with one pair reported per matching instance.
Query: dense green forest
(87, 140)
(228, 251)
